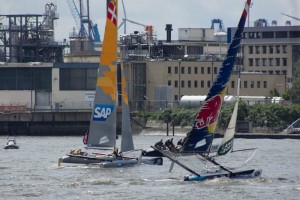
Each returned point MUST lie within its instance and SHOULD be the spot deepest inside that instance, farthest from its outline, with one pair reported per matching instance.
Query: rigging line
(243, 150)
(216, 163)
(177, 162)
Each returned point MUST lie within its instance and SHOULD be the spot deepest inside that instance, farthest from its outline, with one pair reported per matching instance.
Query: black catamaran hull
(251, 173)
(131, 162)
(108, 161)
(11, 146)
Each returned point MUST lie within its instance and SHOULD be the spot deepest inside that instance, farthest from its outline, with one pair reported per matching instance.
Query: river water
(31, 172)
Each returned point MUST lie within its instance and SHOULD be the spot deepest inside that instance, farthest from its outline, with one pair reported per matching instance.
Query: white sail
(227, 141)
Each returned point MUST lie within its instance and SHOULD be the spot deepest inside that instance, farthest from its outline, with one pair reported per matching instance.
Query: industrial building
(37, 76)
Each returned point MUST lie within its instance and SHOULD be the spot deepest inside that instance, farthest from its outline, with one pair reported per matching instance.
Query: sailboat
(199, 140)
(102, 131)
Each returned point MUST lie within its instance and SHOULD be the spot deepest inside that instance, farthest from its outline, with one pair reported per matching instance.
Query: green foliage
(261, 115)
(294, 92)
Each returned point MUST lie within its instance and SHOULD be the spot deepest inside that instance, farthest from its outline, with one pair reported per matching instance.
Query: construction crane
(125, 20)
(296, 18)
(87, 29)
(217, 21)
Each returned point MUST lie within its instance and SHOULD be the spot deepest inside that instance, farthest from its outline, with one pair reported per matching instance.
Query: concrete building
(270, 49)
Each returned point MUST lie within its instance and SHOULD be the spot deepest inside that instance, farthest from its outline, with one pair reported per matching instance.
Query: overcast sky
(180, 13)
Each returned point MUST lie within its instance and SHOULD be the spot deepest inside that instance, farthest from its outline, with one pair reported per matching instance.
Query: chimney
(169, 30)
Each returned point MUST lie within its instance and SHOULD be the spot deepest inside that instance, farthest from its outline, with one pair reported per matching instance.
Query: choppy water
(32, 173)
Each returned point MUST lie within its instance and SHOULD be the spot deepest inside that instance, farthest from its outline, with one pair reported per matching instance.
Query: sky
(158, 13)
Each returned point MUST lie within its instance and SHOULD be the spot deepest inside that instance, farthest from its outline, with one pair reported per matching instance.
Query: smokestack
(169, 30)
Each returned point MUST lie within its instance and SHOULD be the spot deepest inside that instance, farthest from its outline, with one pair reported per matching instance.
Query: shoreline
(178, 131)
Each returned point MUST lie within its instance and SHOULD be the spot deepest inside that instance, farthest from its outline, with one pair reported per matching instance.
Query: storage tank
(192, 101)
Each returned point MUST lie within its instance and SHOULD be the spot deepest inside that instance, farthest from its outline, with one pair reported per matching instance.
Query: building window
(208, 84)
(232, 84)
(250, 49)
(257, 62)
(195, 84)
(169, 70)
(265, 84)
(176, 84)
(270, 61)
(264, 62)
(195, 70)
(176, 97)
(176, 70)
(294, 34)
(258, 84)
(215, 70)
(182, 70)
(189, 70)
(202, 84)
(277, 62)
(268, 34)
(284, 62)
(251, 62)
(284, 49)
(252, 84)
(245, 84)
(182, 84)
(281, 34)
(270, 49)
(169, 82)
(189, 84)
(257, 49)
(202, 70)
(77, 79)
(264, 49)
(208, 70)
(277, 48)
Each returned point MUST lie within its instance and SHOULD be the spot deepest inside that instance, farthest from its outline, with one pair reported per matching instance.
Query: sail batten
(206, 119)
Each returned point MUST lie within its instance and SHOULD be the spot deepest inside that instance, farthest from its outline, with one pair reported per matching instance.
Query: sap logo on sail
(102, 112)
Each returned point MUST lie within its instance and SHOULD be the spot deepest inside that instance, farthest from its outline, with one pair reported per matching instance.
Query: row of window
(25, 79)
(267, 49)
(267, 62)
(271, 34)
(277, 72)
(191, 70)
(189, 83)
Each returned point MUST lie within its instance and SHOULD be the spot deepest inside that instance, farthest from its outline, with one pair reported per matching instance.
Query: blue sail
(200, 138)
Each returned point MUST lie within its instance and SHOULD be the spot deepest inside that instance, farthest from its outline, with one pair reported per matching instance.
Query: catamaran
(199, 140)
(102, 131)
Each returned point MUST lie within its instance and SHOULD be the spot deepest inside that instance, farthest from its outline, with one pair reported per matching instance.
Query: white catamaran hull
(251, 173)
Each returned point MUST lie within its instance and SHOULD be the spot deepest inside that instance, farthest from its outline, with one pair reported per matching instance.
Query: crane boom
(296, 18)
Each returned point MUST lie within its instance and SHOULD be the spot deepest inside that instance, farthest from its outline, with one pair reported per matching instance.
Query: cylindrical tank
(190, 101)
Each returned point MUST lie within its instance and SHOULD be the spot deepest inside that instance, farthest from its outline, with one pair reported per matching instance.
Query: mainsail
(200, 138)
(102, 132)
